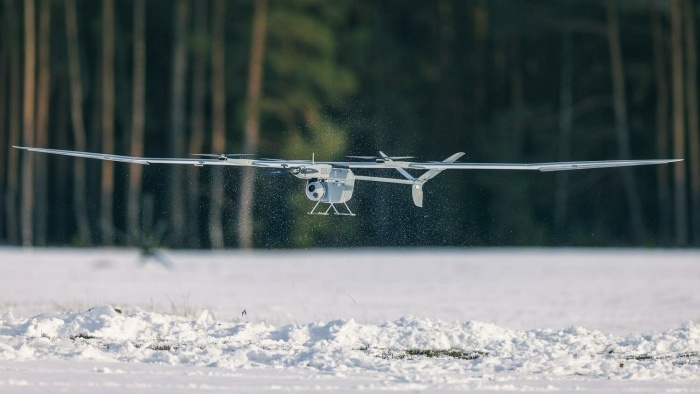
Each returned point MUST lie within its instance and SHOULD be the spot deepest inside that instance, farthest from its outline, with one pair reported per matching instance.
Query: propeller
(382, 157)
(290, 170)
(276, 172)
(222, 156)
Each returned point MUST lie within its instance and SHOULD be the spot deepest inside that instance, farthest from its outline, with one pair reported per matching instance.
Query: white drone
(332, 182)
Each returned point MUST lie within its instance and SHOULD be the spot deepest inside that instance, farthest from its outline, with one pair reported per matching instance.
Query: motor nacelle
(312, 172)
(315, 190)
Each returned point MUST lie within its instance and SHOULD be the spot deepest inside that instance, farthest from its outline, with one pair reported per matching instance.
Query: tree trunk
(107, 189)
(481, 27)
(61, 180)
(28, 123)
(42, 119)
(691, 86)
(679, 173)
(565, 127)
(623, 139)
(252, 124)
(4, 144)
(199, 75)
(218, 145)
(15, 117)
(93, 129)
(517, 94)
(442, 107)
(79, 138)
(662, 134)
(177, 134)
(137, 119)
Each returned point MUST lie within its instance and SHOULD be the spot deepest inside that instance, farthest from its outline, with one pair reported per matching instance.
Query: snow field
(103, 334)
(513, 320)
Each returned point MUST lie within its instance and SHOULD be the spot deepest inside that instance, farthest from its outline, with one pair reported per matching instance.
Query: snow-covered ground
(416, 320)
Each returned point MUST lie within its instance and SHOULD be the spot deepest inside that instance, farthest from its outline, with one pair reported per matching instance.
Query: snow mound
(409, 349)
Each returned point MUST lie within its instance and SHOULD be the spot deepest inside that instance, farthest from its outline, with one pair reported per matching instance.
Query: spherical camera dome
(315, 190)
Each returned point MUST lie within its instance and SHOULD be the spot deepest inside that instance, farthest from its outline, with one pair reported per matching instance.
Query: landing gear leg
(314, 208)
(349, 211)
(335, 210)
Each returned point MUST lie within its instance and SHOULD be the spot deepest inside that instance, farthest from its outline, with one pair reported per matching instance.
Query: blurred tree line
(503, 81)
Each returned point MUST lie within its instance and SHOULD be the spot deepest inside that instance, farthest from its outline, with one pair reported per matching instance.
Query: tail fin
(417, 188)
(417, 192)
(430, 174)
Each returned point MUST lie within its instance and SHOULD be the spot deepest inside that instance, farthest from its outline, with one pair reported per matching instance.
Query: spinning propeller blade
(222, 155)
(290, 170)
(276, 172)
(382, 157)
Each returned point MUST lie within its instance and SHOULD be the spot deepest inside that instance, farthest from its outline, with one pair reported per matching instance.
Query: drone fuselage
(332, 187)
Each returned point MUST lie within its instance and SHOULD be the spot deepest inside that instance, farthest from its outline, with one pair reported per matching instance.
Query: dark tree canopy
(503, 81)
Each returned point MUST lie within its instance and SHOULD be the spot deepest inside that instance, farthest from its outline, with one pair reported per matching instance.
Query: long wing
(142, 160)
(543, 167)
(274, 163)
(269, 163)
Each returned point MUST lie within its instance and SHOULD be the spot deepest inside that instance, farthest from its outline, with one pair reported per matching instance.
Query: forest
(503, 81)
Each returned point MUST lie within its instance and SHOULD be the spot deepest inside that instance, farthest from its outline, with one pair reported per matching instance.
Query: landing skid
(335, 210)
